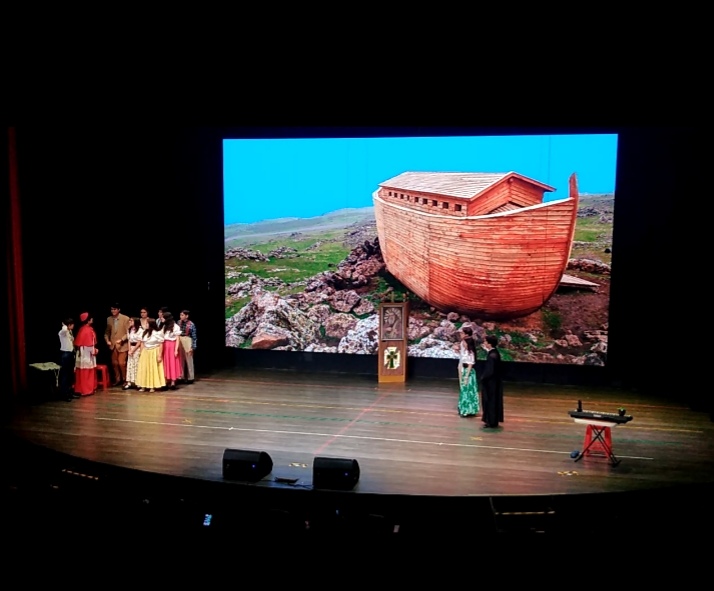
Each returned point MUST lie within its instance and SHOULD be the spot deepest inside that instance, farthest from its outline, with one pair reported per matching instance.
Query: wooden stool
(103, 377)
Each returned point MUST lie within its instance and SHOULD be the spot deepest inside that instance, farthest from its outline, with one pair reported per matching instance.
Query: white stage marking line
(387, 439)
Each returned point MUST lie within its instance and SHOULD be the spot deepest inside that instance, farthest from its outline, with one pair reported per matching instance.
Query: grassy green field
(307, 263)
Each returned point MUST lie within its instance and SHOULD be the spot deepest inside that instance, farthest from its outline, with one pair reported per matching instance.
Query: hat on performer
(83, 316)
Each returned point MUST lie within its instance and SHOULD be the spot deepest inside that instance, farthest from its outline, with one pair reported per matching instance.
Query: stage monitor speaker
(246, 464)
(334, 473)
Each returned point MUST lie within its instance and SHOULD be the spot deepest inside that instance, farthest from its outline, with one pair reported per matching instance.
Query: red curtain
(15, 312)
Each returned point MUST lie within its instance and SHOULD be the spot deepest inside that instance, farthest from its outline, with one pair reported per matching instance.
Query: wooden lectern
(393, 337)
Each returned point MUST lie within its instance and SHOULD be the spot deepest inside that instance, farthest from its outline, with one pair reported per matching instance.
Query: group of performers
(152, 354)
(490, 380)
(146, 353)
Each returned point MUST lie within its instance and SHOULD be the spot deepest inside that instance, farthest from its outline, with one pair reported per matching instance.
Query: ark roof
(465, 185)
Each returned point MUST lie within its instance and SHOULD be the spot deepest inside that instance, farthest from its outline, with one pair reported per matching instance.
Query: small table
(49, 366)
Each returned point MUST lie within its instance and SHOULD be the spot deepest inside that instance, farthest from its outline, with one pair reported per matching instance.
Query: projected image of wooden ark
(482, 244)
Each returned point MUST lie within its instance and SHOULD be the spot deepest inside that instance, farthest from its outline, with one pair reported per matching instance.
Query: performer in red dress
(85, 373)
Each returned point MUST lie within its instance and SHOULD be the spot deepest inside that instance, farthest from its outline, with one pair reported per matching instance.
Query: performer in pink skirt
(172, 359)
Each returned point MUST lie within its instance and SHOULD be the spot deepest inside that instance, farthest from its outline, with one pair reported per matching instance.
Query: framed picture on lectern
(392, 322)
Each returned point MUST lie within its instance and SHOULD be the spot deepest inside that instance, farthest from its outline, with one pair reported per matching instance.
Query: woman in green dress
(468, 405)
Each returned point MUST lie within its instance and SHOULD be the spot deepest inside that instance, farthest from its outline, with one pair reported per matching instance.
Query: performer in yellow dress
(150, 374)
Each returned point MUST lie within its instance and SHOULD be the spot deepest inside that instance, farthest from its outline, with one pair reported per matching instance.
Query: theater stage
(418, 459)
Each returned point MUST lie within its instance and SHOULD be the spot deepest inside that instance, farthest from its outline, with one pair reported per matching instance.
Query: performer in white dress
(132, 363)
(468, 405)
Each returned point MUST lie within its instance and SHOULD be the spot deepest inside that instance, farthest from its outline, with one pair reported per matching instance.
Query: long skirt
(132, 366)
(85, 381)
(468, 405)
(85, 372)
(172, 362)
(150, 373)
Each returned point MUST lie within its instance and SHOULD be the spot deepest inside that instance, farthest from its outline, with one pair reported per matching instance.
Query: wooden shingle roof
(463, 185)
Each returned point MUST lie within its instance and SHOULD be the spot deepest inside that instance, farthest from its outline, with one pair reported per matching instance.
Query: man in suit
(492, 385)
(117, 337)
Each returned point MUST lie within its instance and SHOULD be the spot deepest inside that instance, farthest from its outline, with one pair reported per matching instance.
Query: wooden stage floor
(408, 439)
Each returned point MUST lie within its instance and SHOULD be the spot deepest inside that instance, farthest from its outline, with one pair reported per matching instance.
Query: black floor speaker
(246, 464)
(334, 473)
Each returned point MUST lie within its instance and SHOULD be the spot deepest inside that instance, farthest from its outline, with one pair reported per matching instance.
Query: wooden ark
(481, 244)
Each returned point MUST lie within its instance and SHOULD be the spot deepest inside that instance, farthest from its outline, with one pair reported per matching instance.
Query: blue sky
(276, 178)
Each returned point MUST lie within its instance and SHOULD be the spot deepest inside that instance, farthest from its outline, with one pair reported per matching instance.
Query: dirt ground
(578, 310)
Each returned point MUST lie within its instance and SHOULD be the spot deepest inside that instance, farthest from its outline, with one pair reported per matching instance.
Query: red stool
(102, 377)
(598, 441)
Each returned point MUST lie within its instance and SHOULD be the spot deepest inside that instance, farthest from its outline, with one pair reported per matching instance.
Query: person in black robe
(492, 385)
